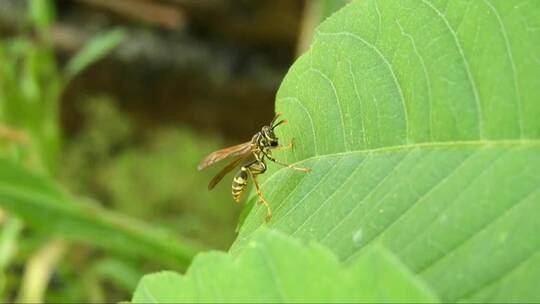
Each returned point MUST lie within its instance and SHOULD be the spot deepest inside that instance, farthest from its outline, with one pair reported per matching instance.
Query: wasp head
(268, 131)
(270, 136)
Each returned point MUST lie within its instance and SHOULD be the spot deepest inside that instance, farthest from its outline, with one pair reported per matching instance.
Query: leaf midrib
(428, 145)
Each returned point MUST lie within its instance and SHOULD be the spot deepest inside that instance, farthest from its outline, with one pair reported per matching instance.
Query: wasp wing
(241, 149)
(224, 171)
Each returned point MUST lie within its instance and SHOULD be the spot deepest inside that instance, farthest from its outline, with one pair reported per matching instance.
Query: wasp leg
(287, 147)
(287, 165)
(262, 199)
(255, 168)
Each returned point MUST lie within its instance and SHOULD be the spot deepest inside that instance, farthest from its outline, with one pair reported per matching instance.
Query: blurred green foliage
(31, 84)
(149, 174)
(131, 172)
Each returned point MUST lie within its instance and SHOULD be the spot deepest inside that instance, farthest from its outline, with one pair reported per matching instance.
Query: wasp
(253, 154)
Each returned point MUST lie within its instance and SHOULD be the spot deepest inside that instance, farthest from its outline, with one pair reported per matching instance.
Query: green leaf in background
(41, 13)
(95, 50)
(9, 237)
(42, 204)
(420, 120)
(274, 268)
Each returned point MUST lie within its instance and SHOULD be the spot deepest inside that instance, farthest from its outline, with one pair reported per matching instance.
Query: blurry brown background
(212, 64)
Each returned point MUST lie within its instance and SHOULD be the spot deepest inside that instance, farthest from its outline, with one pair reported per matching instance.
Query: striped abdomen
(239, 183)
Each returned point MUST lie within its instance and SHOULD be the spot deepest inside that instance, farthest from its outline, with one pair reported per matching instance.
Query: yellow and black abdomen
(239, 183)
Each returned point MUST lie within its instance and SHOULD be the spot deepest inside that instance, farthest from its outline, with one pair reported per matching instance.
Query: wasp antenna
(278, 114)
(284, 121)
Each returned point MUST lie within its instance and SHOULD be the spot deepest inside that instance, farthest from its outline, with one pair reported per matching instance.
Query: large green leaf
(42, 204)
(421, 122)
(276, 269)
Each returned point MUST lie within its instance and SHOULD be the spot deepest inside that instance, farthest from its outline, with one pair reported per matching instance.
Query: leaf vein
(440, 144)
(454, 199)
(426, 75)
(421, 198)
(360, 102)
(466, 65)
(502, 275)
(478, 231)
(388, 65)
(336, 190)
(297, 101)
(512, 65)
(338, 103)
(341, 221)
(315, 187)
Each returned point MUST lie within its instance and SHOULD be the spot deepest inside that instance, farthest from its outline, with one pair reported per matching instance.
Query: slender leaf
(42, 204)
(41, 13)
(277, 269)
(420, 121)
(11, 230)
(97, 48)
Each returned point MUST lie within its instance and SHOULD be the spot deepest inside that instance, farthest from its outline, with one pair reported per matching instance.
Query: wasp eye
(274, 144)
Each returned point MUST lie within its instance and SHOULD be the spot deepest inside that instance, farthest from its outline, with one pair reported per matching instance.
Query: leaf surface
(276, 269)
(420, 121)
